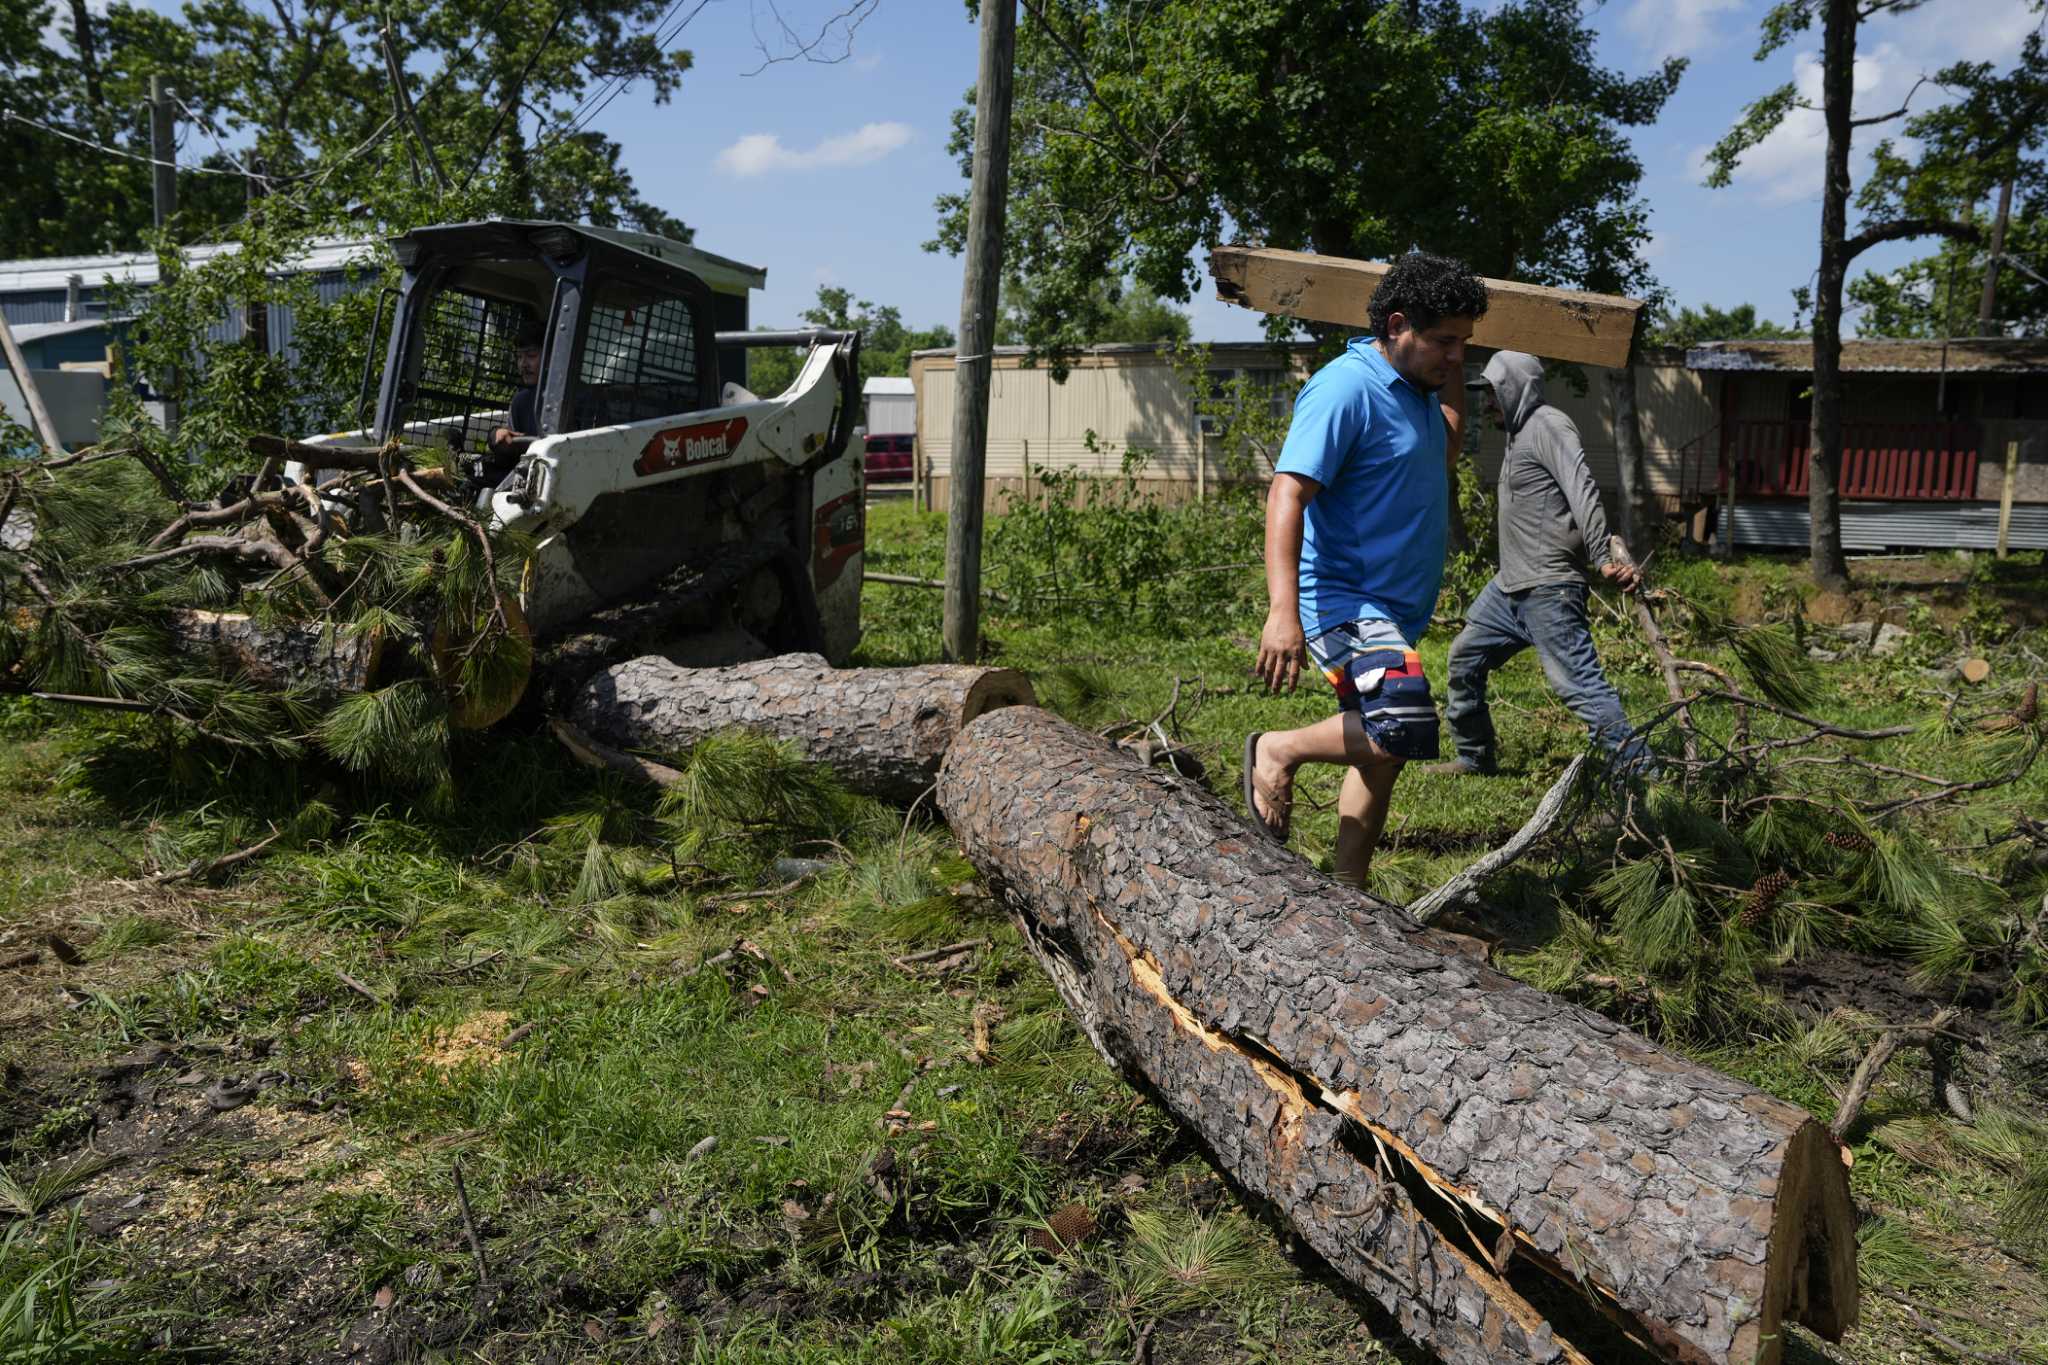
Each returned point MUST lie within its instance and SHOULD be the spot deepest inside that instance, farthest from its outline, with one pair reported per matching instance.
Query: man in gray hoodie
(1551, 525)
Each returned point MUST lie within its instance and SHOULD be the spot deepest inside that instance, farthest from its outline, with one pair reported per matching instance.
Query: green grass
(690, 1155)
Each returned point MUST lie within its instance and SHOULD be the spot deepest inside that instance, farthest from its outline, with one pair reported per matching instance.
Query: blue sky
(826, 173)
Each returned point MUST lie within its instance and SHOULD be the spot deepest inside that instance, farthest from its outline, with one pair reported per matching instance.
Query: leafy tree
(1122, 314)
(1144, 131)
(1691, 326)
(61, 197)
(1963, 149)
(302, 92)
(885, 343)
(1985, 146)
(1939, 295)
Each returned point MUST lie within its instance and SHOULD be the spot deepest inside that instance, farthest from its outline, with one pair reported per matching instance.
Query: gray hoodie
(1549, 505)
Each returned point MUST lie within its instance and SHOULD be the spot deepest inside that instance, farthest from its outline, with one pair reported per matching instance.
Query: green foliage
(885, 342)
(1106, 546)
(1143, 133)
(1690, 326)
(30, 1196)
(47, 1314)
(306, 95)
(1118, 313)
(1172, 1264)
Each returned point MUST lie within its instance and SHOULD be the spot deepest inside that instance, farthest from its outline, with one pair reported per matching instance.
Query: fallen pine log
(1561, 324)
(883, 730)
(1461, 1146)
(314, 655)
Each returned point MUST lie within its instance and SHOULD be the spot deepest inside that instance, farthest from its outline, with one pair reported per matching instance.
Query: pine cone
(1763, 896)
(2030, 705)
(1066, 1229)
(1848, 843)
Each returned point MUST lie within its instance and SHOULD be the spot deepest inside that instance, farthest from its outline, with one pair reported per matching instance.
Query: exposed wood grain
(1559, 324)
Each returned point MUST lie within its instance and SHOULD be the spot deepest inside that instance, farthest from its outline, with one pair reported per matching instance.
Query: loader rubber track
(639, 624)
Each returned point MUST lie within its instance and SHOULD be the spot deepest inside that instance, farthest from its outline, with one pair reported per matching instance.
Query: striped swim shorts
(1377, 675)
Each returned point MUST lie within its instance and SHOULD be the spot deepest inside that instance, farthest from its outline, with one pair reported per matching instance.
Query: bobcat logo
(680, 447)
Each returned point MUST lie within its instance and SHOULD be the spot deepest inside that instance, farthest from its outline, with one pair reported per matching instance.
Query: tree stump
(1461, 1146)
(883, 730)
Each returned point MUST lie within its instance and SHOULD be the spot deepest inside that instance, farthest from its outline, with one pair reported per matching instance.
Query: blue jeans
(1551, 619)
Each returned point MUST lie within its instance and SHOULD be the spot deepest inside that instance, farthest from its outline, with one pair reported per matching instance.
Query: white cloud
(1894, 53)
(1681, 28)
(1786, 166)
(760, 153)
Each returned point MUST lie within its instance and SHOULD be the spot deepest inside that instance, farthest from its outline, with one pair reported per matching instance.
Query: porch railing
(1912, 461)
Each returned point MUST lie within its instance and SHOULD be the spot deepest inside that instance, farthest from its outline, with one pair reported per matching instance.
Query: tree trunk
(88, 57)
(278, 656)
(883, 730)
(1830, 566)
(1638, 515)
(512, 142)
(1450, 1140)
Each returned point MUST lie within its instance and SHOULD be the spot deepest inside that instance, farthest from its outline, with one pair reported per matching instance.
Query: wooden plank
(2012, 474)
(33, 396)
(1559, 324)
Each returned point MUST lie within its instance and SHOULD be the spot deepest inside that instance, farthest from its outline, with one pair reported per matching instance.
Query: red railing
(1923, 461)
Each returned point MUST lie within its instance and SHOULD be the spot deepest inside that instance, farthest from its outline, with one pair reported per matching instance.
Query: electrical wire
(70, 136)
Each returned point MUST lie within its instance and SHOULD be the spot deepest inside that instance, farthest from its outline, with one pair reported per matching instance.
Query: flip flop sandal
(1251, 792)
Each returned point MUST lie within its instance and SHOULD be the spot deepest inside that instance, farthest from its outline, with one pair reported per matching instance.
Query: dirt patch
(475, 1039)
(1836, 978)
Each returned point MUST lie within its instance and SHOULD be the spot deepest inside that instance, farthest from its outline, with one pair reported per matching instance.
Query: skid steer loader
(671, 510)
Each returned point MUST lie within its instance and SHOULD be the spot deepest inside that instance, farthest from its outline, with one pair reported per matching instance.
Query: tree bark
(1637, 514)
(883, 730)
(1450, 1140)
(328, 662)
(1823, 497)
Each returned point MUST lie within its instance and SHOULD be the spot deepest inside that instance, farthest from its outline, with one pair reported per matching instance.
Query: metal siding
(40, 306)
(1887, 526)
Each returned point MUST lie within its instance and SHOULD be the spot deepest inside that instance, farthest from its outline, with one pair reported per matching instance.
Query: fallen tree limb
(882, 730)
(205, 867)
(1465, 886)
(1865, 1078)
(1437, 1131)
(591, 754)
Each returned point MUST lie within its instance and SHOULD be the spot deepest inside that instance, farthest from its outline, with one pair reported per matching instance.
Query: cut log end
(1811, 1275)
(993, 690)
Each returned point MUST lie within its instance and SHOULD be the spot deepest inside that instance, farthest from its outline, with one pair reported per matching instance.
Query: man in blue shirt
(1356, 523)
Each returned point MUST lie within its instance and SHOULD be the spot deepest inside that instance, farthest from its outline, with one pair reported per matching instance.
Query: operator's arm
(1280, 643)
(1559, 452)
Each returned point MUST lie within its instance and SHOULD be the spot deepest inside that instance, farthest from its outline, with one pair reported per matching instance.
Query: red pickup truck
(888, 458)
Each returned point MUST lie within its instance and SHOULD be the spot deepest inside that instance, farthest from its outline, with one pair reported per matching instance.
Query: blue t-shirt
(1373, 540)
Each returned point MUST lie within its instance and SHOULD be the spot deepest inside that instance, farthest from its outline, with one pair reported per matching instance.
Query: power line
(512, 101)
(70, 136)
(600, 99)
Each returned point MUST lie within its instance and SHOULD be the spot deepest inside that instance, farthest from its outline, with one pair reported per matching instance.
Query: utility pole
(256, 311)
(163, 150)
(1987, 307)
(973, 365)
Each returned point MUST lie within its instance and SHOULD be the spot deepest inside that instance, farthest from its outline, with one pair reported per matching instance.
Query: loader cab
(625, 337)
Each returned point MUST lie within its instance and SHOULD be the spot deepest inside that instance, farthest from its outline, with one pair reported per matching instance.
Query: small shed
(1929, 429)
(892, 405)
